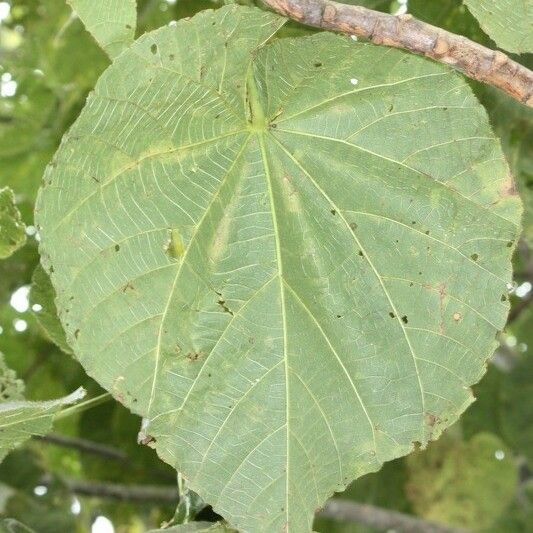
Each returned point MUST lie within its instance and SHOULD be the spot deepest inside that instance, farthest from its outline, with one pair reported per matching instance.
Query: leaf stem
(83, 406)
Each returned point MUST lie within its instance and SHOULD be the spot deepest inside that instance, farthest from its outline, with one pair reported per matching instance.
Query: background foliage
(477, 476)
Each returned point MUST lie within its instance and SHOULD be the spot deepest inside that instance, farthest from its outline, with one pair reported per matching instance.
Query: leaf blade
(508, 22)
(112, 24)
(19, 418)
(265, 226)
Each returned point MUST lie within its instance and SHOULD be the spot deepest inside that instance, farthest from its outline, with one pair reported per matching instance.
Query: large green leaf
(111, 22)
(12, 229)
(278, 254)
(508, 22)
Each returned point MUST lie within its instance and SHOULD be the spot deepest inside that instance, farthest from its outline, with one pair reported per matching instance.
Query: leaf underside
(290, 257)
(43, 295)
(508, 22)
(111, 22)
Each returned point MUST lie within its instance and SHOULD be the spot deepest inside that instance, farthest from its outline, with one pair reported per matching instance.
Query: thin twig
(84, 445)
(115, 491)
(405, 32)
(381, 519)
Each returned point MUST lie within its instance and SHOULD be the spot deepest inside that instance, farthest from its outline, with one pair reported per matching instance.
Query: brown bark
(405, 32)
(381, 519)
(84, 445)
(115, 491)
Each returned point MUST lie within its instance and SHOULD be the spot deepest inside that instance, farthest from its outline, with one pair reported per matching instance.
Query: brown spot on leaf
(148, 441)
(225, 308)
(508, 187)
(431, 419)
(194, 356)
(128, 287)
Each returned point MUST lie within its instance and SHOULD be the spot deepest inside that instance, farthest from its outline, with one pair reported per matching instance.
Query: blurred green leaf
(54, 63)
(519, 515)
(11, 388)
(517, 391)
(466, 484)
(10, 525)
(12, 229)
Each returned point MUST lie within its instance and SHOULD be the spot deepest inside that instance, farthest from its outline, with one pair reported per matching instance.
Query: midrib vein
(261, 139)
